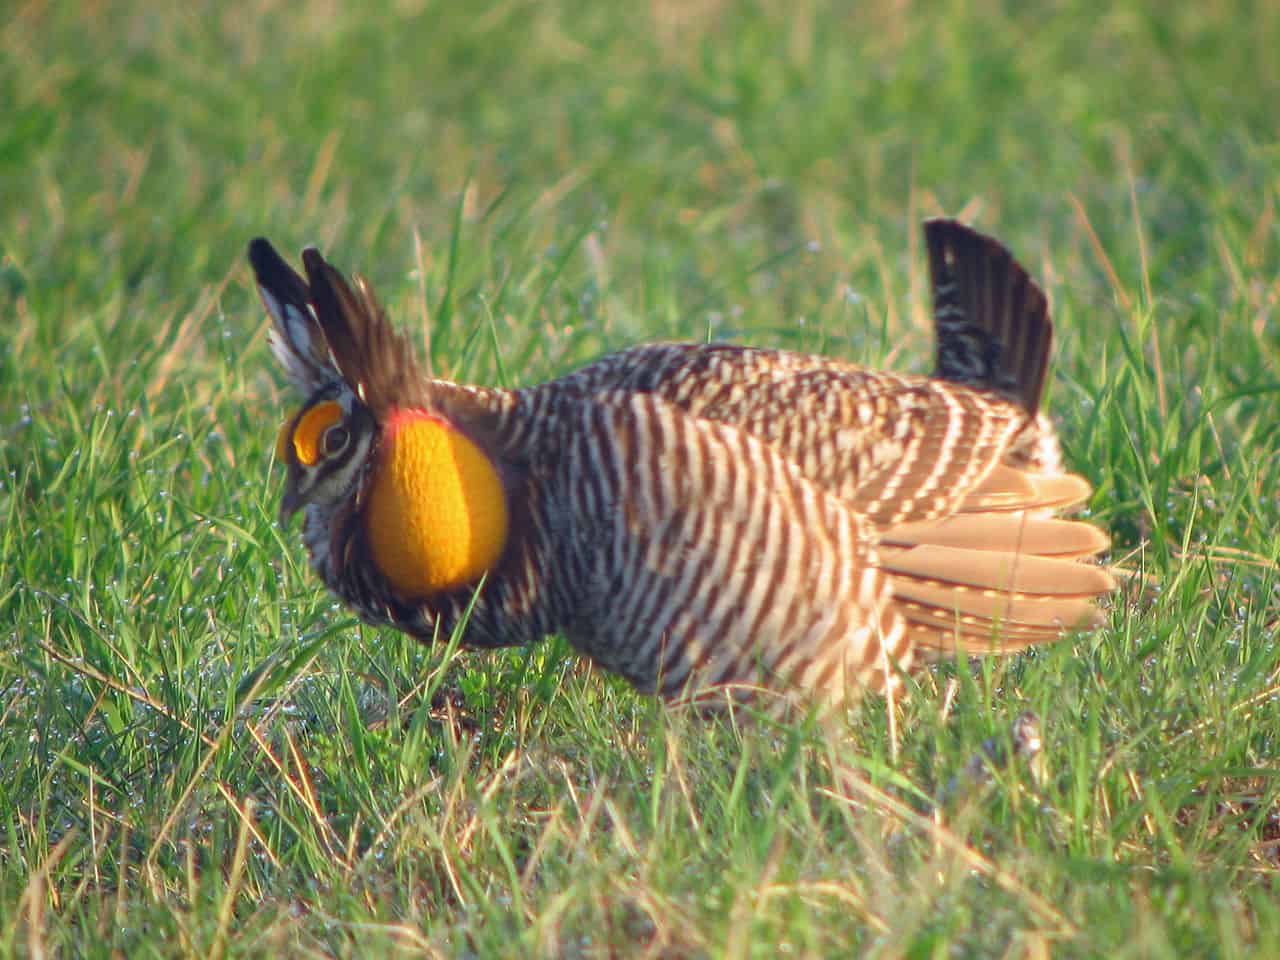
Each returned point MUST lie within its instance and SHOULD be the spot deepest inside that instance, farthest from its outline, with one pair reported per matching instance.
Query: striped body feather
(708, 559)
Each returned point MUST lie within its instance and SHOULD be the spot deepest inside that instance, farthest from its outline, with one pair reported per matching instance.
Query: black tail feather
(991, 319)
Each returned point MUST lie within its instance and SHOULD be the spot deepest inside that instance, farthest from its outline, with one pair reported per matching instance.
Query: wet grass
(201, 754)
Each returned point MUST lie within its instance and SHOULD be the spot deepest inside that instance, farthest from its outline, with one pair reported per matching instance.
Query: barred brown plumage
(787, 589)
(698, 517)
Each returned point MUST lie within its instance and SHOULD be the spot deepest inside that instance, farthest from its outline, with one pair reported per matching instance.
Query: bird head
(325, 448)
(375, 439)
(334, 343)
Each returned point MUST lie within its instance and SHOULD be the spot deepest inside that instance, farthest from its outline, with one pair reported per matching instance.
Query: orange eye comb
(306, 435)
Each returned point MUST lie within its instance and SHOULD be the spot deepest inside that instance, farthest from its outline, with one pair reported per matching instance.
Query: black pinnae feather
(296, 340)
(335, 323)
(374, 358)
(275, 274)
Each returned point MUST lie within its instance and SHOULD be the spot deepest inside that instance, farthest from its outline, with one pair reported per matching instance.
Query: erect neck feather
(437, 514)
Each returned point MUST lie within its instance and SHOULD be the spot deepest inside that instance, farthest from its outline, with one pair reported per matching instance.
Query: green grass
(201, 754)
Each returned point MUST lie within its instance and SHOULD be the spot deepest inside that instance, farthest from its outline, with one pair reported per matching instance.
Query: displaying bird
(698, 518)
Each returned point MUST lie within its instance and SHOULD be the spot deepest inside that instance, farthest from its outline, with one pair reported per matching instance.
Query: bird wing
(895, 447)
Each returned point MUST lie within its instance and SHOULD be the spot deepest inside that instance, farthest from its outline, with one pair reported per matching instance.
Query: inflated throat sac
(437, 515)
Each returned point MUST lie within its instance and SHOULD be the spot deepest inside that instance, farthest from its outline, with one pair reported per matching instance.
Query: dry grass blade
(852, 784)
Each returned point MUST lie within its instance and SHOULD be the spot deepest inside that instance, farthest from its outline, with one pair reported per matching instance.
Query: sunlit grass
(200, 753)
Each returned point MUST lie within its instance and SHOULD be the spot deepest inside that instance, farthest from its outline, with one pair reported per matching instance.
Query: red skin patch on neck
(400, 418)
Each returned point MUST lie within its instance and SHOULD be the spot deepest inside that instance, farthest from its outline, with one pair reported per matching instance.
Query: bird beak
(290, 505)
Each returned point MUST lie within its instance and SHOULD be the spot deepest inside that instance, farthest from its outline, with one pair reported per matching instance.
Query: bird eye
(335, 440)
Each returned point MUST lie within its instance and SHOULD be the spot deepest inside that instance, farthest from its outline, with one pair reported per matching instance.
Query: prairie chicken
(697, 518)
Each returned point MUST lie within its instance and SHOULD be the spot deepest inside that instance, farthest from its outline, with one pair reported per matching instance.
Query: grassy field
(201, 754)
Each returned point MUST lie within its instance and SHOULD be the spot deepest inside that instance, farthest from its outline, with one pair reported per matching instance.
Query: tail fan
(991, 320)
